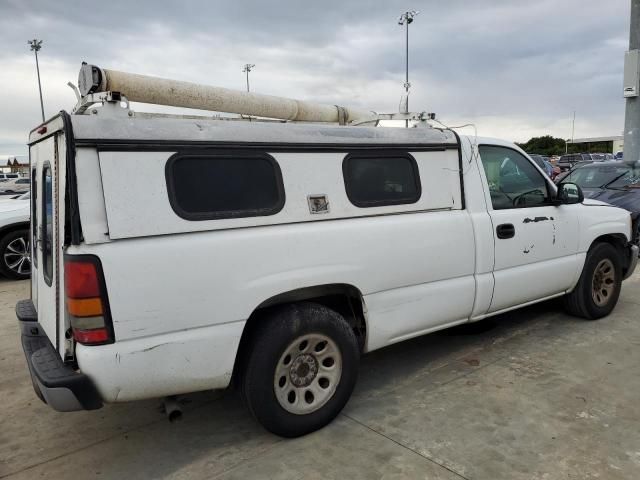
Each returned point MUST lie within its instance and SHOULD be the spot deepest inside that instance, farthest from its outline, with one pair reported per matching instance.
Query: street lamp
(247, 68)
(36, 45)
(406, 19)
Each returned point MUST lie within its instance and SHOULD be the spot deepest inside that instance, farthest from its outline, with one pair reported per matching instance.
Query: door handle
(506, 230)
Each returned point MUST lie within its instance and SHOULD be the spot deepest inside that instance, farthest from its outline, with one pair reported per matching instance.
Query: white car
(15, 185)
(15, 259)
(9, 176)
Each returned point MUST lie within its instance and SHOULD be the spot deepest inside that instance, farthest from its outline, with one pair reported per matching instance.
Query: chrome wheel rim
(603, 284)
(17, 256)
(307, 374)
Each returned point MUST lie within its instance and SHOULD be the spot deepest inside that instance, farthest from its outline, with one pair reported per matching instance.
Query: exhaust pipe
(172, 408)
(162, 91)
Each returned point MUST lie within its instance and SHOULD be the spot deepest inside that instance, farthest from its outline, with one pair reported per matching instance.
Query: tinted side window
(205, 187)
(377, 180)
(34, 217)
(47, 224)
(513, 181)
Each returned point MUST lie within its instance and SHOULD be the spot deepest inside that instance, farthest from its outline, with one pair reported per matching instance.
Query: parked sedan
(17, 185)
(570, 160)
(613, 182)
(15, 251)
(542, 163)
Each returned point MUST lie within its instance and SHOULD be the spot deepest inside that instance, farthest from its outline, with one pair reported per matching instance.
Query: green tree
(545, 145)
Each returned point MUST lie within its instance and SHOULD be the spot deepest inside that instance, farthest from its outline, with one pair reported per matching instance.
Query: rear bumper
(57, 384)
(633, 260)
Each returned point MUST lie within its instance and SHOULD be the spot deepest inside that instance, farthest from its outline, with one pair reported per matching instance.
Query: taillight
(86, 300)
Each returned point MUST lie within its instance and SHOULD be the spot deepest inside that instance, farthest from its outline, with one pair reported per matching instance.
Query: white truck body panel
(138, 178)
(181, 291)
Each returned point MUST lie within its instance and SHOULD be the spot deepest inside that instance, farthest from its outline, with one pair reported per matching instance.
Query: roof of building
(596, 139)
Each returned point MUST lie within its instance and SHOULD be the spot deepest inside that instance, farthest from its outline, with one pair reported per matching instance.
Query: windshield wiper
(610, 182)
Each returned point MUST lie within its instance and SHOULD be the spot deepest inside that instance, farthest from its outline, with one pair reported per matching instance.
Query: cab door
(535, 241)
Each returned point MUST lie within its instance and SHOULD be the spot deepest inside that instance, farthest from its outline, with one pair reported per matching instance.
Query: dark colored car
(570, 160)
(614, 182)
(542, 163)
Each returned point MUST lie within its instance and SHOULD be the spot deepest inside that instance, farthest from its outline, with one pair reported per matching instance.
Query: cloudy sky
(515, 68)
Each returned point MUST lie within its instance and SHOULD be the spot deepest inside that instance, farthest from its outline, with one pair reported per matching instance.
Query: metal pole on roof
(36, 45)
(405, 19)
(632, 115)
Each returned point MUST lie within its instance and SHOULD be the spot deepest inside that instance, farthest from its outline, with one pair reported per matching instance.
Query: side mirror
(569, 193)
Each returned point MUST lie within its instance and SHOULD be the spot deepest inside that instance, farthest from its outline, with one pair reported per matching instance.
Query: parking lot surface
(532, 394)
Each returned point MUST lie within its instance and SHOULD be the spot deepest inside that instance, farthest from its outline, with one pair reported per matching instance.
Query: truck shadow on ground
(217, 432)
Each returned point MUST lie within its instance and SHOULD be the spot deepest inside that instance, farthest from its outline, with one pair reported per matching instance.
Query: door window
(47, 224)
(513, 181)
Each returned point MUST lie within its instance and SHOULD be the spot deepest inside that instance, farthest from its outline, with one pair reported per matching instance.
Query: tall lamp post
(406, 19)
(573, 131)
(36, 45)
(247, 68)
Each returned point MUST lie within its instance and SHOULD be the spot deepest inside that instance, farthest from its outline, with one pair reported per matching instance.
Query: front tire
(15, 255)
(301, 368)
(598, 289)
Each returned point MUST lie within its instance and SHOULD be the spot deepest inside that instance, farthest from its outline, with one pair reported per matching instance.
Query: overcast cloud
(514, 68)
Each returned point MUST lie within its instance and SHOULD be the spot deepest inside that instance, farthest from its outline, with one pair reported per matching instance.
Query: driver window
(513, 181)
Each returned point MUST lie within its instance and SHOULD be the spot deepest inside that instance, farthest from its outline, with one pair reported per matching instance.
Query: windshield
(612, 176)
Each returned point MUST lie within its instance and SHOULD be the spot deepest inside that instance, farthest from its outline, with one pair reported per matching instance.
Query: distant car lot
(614, 182)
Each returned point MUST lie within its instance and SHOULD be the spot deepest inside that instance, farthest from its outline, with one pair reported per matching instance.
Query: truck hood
(629, 199)
(590, 201)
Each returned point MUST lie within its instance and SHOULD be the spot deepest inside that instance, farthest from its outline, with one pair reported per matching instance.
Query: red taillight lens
(86, 300)
(91, 337)
(81, 279)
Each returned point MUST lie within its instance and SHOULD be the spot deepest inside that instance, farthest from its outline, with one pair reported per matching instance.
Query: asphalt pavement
(532, 394)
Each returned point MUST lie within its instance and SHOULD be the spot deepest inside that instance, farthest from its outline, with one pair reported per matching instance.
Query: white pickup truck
(172, 255)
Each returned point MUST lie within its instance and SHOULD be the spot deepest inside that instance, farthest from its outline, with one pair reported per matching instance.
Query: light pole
(573, 131)
(36, 45)
(247, 68)
(406, 19)
(632, 114)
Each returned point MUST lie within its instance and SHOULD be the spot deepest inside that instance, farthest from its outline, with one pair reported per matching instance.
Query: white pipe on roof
(162, 91)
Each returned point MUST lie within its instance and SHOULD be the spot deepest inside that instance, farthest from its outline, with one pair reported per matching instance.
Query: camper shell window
(224, 185)
(378, 179)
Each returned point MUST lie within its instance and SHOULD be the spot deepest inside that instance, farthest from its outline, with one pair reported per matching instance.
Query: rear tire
(301, 368)
(598, 289)
(15, 255)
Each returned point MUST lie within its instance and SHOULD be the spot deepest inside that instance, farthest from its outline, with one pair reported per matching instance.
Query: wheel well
(13, 227)
(619, 242)
(343, 298)
(616, 239)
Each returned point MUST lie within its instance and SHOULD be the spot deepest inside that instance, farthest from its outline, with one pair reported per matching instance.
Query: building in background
(598, 144)
(17, 164)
